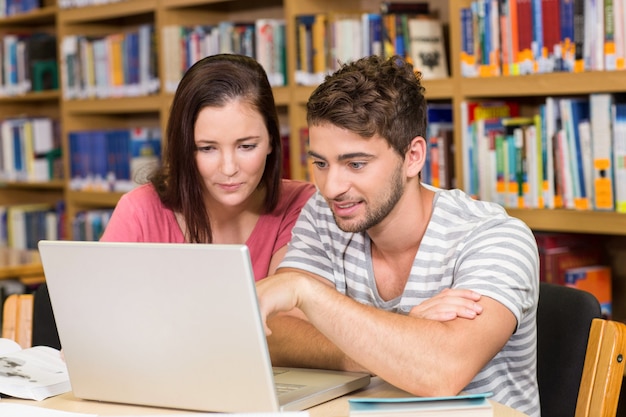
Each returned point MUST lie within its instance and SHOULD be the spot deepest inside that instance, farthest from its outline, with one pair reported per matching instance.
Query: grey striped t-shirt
(468, 244)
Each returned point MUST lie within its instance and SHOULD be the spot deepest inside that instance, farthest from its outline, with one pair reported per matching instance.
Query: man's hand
(448, 305)
(278, 293)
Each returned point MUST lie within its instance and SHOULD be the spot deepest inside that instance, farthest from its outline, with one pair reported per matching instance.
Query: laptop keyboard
(282, 388)
(286, 388)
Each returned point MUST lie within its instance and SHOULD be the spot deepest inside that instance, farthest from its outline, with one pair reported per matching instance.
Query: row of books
(325, 40)
(113, 159)
(569, 155)
(30, 149)
(516, 37)
(23, 225)
(28, 63)
(439, 167)
(121, 64)
(90, 224)
(262, 39)
(576, 260)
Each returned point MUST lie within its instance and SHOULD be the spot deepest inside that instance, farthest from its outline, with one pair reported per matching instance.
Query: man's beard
(377, 214)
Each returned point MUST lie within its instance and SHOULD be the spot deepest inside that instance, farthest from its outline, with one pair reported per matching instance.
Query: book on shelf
(619, 155)
(551, 25)
(600, 116)
(467, 405)
(575, 112)
(426, 47)
(595, 279)
(439, 168)
(468, 58)
(304, 74)
(372, 24)
(270, 49)
(89, 225)
(33, 373)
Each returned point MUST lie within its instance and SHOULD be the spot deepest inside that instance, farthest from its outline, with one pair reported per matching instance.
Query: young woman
(221, 176)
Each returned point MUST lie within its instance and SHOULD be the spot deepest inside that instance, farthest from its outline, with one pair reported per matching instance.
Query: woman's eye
(204, 148)
(248, 147)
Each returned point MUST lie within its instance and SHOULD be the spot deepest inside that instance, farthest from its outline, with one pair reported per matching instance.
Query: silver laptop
(172, 325)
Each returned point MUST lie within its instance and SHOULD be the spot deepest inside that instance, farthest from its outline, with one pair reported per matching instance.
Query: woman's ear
(415, 157)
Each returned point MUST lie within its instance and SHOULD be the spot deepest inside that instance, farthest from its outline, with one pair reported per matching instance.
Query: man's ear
(415, 157)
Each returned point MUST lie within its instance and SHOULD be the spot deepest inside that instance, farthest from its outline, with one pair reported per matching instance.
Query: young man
(432, 291)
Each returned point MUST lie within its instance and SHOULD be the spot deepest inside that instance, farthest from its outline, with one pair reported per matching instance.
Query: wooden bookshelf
(114, 17)
(17, 263)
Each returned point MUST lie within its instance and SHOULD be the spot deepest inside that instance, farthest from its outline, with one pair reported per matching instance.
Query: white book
(33, 373)
(601, 133)
(426, 47)
(6, 136)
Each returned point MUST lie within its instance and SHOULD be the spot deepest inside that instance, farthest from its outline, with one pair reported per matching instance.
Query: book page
(35, 373)
(8, 346)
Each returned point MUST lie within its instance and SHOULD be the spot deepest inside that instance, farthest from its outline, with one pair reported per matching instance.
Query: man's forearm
(295, 342)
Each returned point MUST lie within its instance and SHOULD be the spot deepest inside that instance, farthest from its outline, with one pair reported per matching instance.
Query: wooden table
(335, 408)
(22, 264)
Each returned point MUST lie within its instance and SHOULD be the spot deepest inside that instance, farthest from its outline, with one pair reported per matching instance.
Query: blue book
(477, 405)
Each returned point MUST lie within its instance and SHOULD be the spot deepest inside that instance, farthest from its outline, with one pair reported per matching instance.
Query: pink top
(140, 217)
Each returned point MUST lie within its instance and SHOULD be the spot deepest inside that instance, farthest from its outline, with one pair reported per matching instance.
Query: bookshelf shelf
(93, 198)
(559, 220)
(109, 11)
(23, 185)
(442, 89)
(544, 84)
(34, 97)
(143, 104)
(46, 14)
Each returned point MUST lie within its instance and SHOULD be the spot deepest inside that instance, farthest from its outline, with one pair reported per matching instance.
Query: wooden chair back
(603, 370)
(17, 319)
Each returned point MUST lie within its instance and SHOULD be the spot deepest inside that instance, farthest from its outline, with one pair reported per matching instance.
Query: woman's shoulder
(297, 187)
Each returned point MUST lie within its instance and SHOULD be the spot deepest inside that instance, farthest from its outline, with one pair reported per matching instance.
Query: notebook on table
(172, 325)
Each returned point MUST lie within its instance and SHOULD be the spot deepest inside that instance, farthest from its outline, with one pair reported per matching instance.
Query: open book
(34, 373)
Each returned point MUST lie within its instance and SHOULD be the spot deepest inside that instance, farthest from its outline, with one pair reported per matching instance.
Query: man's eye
(319, 164)
(356, 165)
